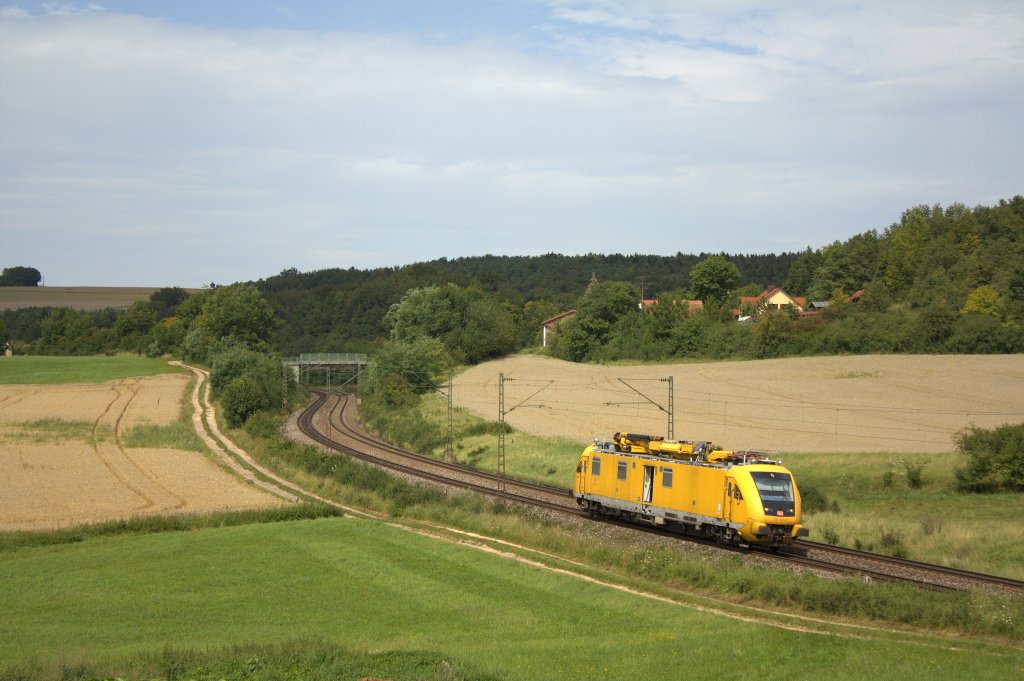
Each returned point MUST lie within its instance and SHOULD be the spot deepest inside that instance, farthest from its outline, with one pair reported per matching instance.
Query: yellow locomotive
(730, 496)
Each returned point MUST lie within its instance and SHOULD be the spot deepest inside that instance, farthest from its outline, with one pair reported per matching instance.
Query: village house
(549, 327)
(773, 299)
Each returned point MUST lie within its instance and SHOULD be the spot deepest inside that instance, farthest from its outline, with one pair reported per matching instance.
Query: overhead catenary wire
(572, 402)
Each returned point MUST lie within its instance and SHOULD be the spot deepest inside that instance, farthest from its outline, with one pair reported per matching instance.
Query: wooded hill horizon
(933, 259)
(938, 280)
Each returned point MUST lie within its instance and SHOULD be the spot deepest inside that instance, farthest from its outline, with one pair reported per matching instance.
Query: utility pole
(501, 431)
(449, 452)
(671, 407)
(501, 423)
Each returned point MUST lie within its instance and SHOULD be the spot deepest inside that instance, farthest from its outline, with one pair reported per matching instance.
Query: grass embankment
(178, 606)
(22, 370)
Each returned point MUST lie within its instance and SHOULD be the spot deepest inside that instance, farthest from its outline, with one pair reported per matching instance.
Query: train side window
(666, 477)
(736, 493)
(595, 468)
(623, 470)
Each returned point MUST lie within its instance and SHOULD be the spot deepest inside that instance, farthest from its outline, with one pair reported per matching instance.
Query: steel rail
(356, 433)
(306, 425)
(969, 575)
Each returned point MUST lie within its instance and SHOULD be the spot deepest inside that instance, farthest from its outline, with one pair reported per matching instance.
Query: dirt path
(203, 416)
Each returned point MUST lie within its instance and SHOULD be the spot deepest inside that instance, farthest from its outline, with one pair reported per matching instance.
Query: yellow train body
(731, 496)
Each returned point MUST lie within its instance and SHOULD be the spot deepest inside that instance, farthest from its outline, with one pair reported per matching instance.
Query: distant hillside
(336, 308)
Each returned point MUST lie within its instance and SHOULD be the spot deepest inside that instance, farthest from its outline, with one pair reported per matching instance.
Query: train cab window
(595, 468)
(774, 486)
(666, 477)
(623, 470)
(736, 494)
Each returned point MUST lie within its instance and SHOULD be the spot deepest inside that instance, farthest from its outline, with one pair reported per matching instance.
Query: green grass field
(20, 370)
(106, 605)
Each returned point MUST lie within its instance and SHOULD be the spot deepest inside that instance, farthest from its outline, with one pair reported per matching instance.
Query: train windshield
(774, 486)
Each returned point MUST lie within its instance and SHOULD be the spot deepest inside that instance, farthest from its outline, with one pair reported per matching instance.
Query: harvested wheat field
(887, 403)
(77, 470)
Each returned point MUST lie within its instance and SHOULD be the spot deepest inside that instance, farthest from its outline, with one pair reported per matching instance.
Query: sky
(188, 142)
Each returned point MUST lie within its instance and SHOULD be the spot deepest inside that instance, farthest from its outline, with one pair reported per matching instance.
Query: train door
(648, 484)
(730, 490)
(581, 476)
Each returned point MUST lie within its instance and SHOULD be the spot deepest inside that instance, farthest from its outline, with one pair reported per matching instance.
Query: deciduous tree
(20, 276)
(712, 279)
(237, 311)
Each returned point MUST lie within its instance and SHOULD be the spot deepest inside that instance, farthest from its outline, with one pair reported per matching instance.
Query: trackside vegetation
(995, 459)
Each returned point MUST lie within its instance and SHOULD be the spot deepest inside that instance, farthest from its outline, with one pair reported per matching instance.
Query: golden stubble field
(53, 476)
(75, 297)
(889, 403)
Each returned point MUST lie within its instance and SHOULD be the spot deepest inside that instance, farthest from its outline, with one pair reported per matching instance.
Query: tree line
(938, 281)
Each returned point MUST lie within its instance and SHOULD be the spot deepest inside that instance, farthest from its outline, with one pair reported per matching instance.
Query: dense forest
(939, 280)
(335, 309)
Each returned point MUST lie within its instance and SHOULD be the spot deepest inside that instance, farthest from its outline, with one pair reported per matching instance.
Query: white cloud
(636, 126)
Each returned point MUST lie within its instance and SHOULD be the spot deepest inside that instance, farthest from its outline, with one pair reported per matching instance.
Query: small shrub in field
(830, 536)
(995, 459)
(892, 542)
(914, 470)
(261, 424)
(813, 500)
(473, 456)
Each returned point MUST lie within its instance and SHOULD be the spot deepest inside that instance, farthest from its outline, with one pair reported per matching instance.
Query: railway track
(925, 573)
(337, 430)
(330, 421)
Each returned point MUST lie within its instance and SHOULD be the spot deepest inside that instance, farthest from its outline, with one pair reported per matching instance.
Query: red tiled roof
(691, 305)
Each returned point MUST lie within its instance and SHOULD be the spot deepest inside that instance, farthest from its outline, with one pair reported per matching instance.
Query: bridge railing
(328, 358)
